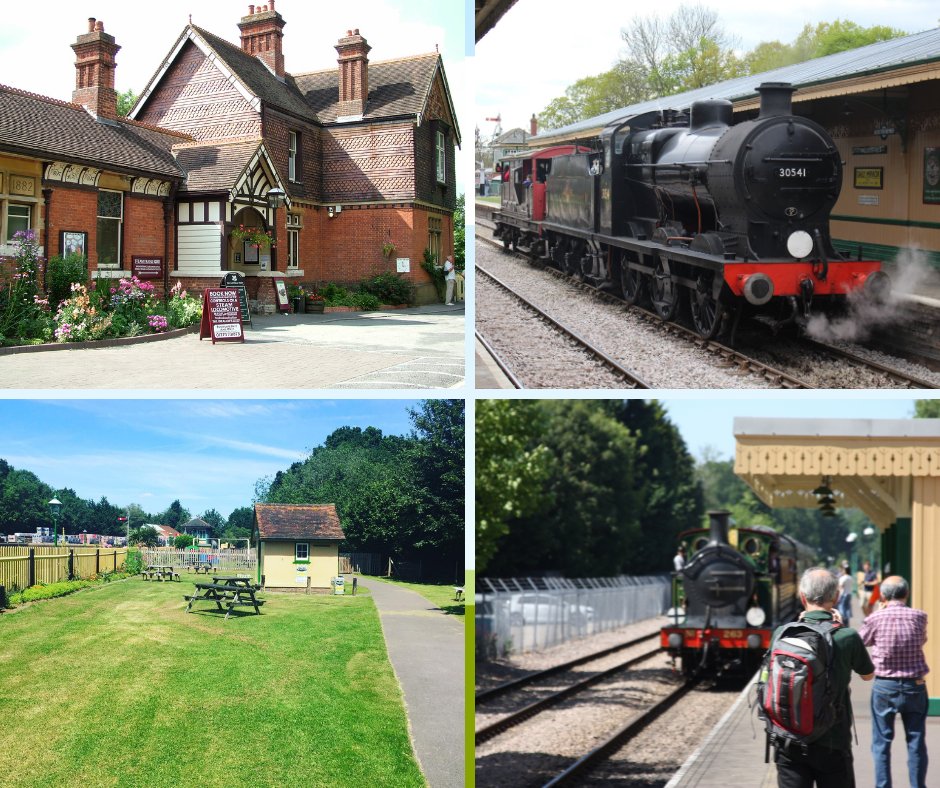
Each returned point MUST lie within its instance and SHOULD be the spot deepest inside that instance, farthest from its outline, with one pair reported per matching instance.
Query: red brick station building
(363, 152)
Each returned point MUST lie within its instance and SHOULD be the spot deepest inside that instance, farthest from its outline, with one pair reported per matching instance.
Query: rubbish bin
(339, 585)
(297, 307)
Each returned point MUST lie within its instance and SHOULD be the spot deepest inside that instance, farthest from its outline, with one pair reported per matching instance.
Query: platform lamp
(824, 498)
(276, 198)
(55, 506)
(868, 533)
(850, 541)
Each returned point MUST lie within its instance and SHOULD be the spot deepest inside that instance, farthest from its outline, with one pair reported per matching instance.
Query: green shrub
(50, 591)
(134, 563)
(63, 272)
(334, 294)
(365, 301)
(389, 288)
(436, 272)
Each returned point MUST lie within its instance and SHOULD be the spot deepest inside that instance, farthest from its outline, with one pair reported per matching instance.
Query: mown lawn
(440, 595)
(117, 686)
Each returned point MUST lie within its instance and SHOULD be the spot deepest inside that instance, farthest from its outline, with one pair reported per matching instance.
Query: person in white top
(844, 604)
(678, 560)
(450, 277)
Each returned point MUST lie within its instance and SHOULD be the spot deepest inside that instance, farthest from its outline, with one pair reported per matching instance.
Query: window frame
(297, 556)
(440, 155)
(434, 237)
(120, 230)
(8, 238)
(293, 146)
(293, 248)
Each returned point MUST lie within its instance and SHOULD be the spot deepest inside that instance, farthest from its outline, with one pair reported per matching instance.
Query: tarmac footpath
(426, 648)
(416, 348)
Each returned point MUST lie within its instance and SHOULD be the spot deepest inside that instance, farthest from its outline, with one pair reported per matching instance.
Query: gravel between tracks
(662, 361)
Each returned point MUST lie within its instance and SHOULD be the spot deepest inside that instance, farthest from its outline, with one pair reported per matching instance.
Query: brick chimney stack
(533, 125)
(353, 51)
(94, 70)
(262, 31)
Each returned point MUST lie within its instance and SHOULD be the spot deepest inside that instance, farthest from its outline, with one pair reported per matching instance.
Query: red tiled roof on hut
(298, 521)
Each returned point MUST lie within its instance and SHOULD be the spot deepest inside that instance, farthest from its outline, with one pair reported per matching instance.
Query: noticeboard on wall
(869, 177)
(932, 176)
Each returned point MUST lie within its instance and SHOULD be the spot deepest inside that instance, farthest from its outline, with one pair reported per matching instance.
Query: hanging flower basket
(254, 236)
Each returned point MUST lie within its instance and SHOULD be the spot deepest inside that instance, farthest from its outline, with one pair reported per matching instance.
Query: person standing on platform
(845, 594)
(869, 582)
(827, 762)
(896, 634)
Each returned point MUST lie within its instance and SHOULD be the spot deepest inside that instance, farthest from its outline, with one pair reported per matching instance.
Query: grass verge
(119, 686)
(441, 595)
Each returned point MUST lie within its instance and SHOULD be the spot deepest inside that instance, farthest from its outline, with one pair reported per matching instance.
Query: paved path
(421, 347)
(427, 651)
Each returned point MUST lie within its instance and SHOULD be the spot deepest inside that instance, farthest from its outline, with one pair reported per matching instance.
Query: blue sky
(708, 422)
(207, 453)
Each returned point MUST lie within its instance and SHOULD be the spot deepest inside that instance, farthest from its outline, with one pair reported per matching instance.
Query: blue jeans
(890, 697)
(845, 608)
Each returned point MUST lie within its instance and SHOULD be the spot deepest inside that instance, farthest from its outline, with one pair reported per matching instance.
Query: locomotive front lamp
(755, 616)
(800, 244)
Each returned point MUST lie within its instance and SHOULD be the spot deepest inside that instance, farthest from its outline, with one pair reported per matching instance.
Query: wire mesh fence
(516, 615)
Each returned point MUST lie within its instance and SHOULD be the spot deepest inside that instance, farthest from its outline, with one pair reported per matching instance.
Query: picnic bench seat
(231, 594)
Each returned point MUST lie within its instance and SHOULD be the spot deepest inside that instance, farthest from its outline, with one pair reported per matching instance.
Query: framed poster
(932, 176)
(869, 177)
(251, 253)
(73, 242)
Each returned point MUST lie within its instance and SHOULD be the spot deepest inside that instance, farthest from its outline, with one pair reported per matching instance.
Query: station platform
(732, 755)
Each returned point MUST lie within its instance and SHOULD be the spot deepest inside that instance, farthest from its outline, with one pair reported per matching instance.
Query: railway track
(528, 711)
(625, 378)
(590, 760)
(882, 375)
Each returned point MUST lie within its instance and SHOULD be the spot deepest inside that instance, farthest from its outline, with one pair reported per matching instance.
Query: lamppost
(276, 198)
(55, 505)
(85, 536)
(868, 533)
(850, 540)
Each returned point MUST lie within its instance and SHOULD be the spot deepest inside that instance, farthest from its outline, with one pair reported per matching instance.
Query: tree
(146, 535)
(240, 523)
(460, 233)
(137, 516)
(927, 409)
(511, 468)
(175, 515)
(215, 521)
(182, 541)
(23, 502)
(125, 103)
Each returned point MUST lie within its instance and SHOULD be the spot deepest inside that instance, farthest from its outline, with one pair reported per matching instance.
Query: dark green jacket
(850, 655)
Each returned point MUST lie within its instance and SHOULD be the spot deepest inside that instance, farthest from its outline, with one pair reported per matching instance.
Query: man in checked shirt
(896, 635)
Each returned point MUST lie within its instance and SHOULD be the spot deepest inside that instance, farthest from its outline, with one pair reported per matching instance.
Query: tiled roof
(256, 76)
(196, 523)
(53, 129)
(214, 166)
(396, 87)
(298, 521)
(881, 56)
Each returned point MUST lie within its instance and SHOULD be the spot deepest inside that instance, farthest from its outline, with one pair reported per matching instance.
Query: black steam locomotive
(737, 586)
(688, 207)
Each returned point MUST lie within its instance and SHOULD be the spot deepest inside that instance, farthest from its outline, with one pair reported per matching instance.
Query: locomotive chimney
(718, 523)
(775, 99)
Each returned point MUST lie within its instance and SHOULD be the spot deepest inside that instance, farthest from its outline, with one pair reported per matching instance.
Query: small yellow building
(298, 544)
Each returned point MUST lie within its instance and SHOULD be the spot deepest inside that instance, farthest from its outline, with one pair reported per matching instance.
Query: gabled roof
(196, 523)
(36, 125)
(298, 521)
(882, 56)
(214, 166)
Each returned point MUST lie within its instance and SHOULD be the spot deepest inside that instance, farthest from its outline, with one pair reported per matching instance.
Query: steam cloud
(863, 315)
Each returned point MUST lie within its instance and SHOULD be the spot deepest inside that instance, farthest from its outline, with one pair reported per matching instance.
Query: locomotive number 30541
(791, 172)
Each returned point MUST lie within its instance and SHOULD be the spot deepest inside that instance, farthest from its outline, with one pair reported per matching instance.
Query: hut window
(301, 551)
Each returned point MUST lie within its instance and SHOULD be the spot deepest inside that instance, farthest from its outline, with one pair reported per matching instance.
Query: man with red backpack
(804, 690)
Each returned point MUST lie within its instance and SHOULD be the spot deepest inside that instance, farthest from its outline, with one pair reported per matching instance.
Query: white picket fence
(241, 560)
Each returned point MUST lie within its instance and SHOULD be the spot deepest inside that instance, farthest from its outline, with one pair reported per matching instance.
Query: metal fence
(242, 561)
(529, 614)
(22, 566)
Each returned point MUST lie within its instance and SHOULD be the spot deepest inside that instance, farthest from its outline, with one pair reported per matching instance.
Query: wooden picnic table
(229, 590)
(160, 572)
(204, 567)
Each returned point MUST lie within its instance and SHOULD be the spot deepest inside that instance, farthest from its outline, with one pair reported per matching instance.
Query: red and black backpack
(795, 694)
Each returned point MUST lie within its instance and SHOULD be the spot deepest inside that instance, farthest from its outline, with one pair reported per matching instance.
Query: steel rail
(629, 377)
(521, 715)
(587, 762)
(498, 360)
(530, 678)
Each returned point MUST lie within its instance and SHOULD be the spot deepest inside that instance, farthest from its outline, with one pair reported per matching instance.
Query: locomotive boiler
(738, 585)
(693, 209)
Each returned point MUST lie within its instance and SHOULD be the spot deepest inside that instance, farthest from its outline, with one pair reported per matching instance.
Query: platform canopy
(888, 468)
